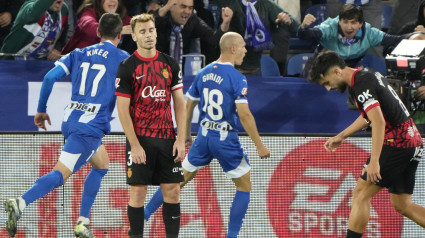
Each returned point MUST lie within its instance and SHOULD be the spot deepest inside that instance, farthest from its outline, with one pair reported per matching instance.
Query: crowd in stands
(48, 29)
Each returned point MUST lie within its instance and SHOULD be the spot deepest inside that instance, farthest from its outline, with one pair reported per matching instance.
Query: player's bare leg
(360, 208)
(239, 205)
(404, 205)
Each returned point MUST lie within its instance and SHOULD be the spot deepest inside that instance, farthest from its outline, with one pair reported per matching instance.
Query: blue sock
(237, 213)
(91, 187)
(154, 203)
(44, 185)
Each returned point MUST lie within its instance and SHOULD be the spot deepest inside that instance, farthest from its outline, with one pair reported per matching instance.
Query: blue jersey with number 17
(93, 72)
(218, 87)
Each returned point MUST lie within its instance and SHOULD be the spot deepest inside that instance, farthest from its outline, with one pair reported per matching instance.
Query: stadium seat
(317, 10)
(296, 63)
(193, 63)
(269, 66)
(386, 17)
(374, 62)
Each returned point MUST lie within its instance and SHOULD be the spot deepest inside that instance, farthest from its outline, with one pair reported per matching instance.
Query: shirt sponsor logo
(153, 93)
(218, 126)
(364, 96)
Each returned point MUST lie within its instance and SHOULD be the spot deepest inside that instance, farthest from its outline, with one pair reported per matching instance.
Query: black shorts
(397, 168)
(159, 167)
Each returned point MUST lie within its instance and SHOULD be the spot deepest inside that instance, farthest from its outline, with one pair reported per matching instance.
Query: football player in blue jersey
(86, 120)
(221, 92)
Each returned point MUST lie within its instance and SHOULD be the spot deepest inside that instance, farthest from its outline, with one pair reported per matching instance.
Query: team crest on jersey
(129, 173)
(117, 82)
(244, 91)
(165, 73)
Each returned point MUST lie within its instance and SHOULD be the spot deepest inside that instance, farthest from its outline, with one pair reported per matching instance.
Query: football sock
(136, 219)
(44, 185)
(153, 204)
(171, 218)
(84, 220)
(353, 234)
(91, 188)
(237, 213)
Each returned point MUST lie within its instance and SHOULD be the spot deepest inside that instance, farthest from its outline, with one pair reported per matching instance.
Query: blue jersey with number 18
(218, 87)
(93, 71)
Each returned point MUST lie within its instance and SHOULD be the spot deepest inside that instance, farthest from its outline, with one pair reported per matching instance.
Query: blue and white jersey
(93, 72)
(218, 87)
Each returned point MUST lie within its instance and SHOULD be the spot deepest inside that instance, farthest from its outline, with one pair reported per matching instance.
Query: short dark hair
(350, 11)
(110, 25)
(322, 63)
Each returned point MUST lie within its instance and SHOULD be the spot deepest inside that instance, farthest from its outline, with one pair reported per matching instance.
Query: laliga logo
(314, 199)
(151, 92)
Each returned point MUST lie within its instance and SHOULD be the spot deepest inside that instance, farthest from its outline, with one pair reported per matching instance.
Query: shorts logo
(129, 172)
(177, 169)
(314, 200)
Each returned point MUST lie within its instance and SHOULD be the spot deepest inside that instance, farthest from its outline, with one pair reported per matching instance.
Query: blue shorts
(229, 154)
(80, 145)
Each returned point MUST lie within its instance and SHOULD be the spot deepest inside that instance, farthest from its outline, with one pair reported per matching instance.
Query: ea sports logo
(310, 194)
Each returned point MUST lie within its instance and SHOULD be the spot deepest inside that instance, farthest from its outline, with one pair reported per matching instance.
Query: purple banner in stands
(279, 105)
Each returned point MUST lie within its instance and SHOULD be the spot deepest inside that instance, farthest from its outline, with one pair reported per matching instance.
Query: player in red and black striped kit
(145, 84)
(396, 142)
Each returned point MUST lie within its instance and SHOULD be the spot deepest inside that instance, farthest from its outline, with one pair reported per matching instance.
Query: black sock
(353, 234)
(171, 217)
(136, 217)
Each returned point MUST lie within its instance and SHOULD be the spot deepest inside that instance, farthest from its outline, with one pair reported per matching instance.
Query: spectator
(271, 16)
(348, 34)
(372, 10)
(176, 21)
(8, 11)
(89, 14)
(418, 24)
(39, 30)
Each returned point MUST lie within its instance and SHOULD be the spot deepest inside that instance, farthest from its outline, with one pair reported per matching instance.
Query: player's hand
(420, 93)
(263, 152)
(5, 19)
(283, 17)
(420, 28)
(308, 20)
(333, 143)
(40, 118)
(372, 170)
(179, 150)
(138, 155)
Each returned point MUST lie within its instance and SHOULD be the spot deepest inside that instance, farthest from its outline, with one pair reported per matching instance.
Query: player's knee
(360, 195)
(171, 194)
(401, 205)
(245, 186)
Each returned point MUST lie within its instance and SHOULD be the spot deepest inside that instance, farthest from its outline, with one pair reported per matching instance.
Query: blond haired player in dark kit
(145, 83)
(396, 143)
(221, 92)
